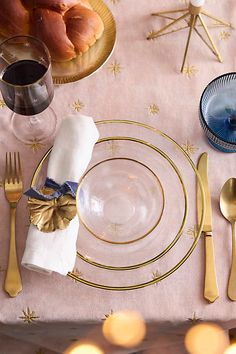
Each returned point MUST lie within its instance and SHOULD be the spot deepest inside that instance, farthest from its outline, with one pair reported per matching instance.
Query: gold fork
(13, 186)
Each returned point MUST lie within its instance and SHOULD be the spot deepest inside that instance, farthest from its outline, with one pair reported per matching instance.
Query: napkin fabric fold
(69, 158)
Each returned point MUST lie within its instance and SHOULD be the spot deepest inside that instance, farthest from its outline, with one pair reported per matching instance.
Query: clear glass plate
(137, 206)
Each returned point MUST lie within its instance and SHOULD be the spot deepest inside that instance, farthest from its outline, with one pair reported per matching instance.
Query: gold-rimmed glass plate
(168, 242)
(88, 63)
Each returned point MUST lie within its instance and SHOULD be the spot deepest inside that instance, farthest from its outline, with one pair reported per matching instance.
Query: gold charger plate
(152, 272)
(88, 63)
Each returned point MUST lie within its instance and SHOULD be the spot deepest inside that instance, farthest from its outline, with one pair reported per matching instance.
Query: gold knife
(211, 292)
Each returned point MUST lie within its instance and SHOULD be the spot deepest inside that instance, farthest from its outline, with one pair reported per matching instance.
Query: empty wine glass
(27, 87)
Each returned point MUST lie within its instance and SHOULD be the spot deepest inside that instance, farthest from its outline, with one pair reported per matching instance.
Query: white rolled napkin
(69, 158)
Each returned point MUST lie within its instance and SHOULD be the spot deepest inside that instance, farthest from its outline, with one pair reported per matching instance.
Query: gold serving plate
(88, 63)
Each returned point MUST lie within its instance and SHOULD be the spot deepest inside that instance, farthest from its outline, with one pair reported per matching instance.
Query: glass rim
(44, 47)
(201, 111)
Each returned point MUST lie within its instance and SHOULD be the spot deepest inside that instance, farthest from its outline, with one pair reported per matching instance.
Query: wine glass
(27, 87)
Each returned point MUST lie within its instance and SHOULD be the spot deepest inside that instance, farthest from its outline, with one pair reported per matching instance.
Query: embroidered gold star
(114, 68)
(2, 104)
(29, 316)
(113, 228)
(112, 147)
(107, 315)
(194, 319)
(78, 105)
(192, 232)
(224, 35)
(153, 109)
(35, 145)
(189, 148)
(156, 274)
(190, 71)
(77, 273)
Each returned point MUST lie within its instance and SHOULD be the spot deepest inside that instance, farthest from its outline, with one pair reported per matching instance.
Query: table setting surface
(141, 81)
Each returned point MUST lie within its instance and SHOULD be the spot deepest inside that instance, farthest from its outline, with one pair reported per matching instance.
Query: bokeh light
(231, 349)
(206, 338)
(83, 348)
(126, 329)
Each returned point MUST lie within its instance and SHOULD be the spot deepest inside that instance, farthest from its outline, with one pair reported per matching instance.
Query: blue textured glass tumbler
(217, 112)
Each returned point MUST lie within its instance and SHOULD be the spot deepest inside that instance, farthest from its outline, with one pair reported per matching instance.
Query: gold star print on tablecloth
(114, 68)
(189, 148)
(2, 104)
(153, 109)
(35, 144)
(192, 232)
(112, 147)
(77, 273)
(194, 319)
(189, 71)
(156, 274)
(29, 316)
(78, 105)
(114, 2)
(224, 35)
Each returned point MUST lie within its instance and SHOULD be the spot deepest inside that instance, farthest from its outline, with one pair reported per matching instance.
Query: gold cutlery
(13, 186)
(211, 292)
(228, 209)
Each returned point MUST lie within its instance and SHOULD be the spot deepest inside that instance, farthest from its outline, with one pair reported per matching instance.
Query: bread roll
(84, 27)
(14, 18)
(67, 27)
(50, 27)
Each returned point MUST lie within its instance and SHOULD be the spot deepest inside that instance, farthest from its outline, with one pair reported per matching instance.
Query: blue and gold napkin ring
(53, 206)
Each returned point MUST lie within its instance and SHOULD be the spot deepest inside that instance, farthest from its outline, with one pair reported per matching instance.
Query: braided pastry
(67, 27)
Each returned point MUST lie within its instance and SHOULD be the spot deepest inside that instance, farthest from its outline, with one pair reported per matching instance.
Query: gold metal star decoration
(2, 104)
(189, 71)
(153, 109)
(114, 68)
(189, 148)
(192, 232)
(194, 319)
(78, 105)
(112, 147)
(156, 274)
(107, 315)
(224, 35)
(35, 145)
(29, 316)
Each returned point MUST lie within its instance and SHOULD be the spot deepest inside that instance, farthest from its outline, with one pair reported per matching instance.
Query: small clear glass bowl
(217, 112)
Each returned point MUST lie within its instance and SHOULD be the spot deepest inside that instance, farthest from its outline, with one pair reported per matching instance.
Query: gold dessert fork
(13, 186)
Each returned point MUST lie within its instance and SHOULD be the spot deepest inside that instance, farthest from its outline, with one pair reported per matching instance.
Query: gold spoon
(228, 209)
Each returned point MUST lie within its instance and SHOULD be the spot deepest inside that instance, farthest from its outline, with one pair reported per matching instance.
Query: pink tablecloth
(141, 81)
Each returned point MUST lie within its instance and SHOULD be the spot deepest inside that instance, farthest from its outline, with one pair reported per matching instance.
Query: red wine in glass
(27, 87)
(30, 100)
